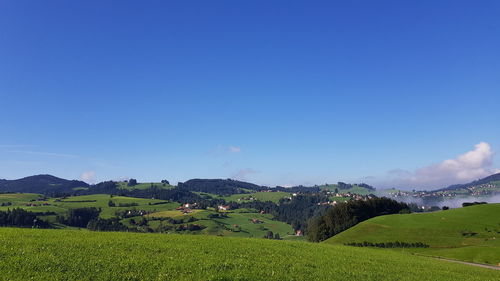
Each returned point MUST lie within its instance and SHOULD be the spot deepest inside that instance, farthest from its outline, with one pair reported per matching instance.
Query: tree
(111, 203)
(344, 216)
(165, 182)
(269, 235)
(277, 236)
(445, 208)
(132, 182)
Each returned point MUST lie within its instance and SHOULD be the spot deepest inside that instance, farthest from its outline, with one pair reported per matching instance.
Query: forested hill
(44, 184)
(219, 186)
(486, 180)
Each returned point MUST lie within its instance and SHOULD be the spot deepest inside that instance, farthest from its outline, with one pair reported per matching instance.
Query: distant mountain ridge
(488, 179)
(45, 184)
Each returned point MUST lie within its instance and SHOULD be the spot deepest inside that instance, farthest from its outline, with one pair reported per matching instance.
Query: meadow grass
(37, 254)
(355, 189)
(261, 196)
(250, 229)
(469, 234)
(143, 185)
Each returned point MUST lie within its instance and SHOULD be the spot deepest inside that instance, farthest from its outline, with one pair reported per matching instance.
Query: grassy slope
(214, 226)
(101, 201)
(81, 255)
(249, 229)
(143, 185)
(355, 189)
(441, 230)
(262, 196)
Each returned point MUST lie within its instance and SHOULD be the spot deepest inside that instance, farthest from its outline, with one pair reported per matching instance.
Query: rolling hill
(45, 184)
(489, 179)
(81, 255)
(470, 233)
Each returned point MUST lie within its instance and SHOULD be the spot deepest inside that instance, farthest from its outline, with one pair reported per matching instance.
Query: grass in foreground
(81, 255)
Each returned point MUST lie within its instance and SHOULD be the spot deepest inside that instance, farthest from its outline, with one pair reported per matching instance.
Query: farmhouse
(224, 207)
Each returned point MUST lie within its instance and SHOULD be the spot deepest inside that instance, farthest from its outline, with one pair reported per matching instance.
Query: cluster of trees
(467, 204)
(6, 204)
(189, 227)
(271, 235)
(79, 217)
(22, 218)
(112, 224)
(131, 213)
(344, 216)
(295, 212)
(217, 216)
(297, 189)
(111, 203)
(218, 186)
(142, 222)
(396, 244)
(343, 185)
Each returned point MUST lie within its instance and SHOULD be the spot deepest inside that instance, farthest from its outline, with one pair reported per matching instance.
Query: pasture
(261, 196)
(469, 234)
(82, 255)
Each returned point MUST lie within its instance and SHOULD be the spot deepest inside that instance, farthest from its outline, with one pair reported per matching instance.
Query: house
(298, 233)
(224, 207)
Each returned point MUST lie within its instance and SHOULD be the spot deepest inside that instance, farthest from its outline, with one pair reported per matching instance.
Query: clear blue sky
(274, 92)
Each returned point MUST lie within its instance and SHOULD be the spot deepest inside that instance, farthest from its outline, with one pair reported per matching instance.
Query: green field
(143, 185)
(237, 223)
(62, 205)
(172, 214)
(261, 196)
(250, 229)
(29, 254)
(354, 190)
(469, 234)
(17, 198)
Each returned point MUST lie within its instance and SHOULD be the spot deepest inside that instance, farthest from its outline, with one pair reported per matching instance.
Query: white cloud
(467, 167)
(221, 150)
(234, 149)
(88, 177)
(243, 174)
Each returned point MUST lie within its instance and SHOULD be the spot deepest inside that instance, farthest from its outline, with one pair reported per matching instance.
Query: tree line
(346, 215)
(21, 218)
(396, 244)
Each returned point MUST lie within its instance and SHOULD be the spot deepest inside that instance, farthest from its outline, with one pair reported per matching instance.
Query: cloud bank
(472, 165)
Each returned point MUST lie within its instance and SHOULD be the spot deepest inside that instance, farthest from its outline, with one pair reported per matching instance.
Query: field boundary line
(462, 262)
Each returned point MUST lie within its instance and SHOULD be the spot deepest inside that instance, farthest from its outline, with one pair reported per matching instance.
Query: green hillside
(469, 234)
(82, 255)
(355, 189)
(144, 185)
(261, 196)
(238, 223)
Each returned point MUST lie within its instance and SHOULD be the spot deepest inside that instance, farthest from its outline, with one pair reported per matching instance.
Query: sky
(393, 93)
